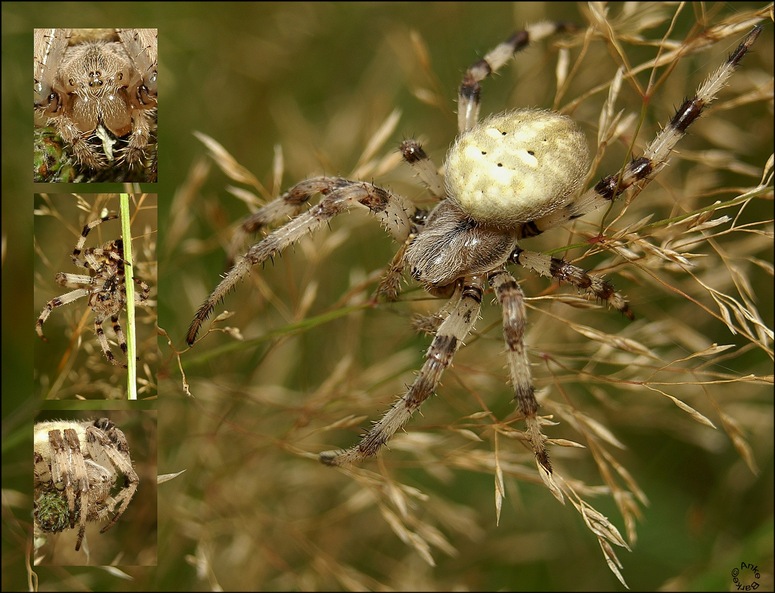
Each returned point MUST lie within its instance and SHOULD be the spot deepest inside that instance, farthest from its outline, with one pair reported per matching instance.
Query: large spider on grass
(510, 177)
(104, 286)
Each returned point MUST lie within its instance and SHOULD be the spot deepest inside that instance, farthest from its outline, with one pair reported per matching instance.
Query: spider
(94, 84)
(512, 176)
(104, 285)
(77, 469)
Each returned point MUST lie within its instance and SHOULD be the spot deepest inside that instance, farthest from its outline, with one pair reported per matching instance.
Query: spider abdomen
(517, 166)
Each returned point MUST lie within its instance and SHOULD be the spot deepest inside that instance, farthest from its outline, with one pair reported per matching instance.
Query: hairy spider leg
(105, 438)
(339, 195)
(53, 304)
(450, 335)
(563, 271)
(654, 159)
(469, 93)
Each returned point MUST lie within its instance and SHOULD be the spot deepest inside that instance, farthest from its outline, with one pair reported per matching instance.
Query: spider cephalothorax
(83, 473)
(91, 88)
(510, 177)
(104, 286)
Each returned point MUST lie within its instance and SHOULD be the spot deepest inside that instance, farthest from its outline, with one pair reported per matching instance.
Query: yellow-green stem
(129, 279)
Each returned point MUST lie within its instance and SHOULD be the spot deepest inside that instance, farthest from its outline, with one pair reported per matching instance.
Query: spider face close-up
(97, 89)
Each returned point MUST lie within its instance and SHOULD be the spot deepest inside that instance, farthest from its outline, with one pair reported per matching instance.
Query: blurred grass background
(254, 509)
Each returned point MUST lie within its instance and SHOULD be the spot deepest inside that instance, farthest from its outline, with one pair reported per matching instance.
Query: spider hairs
(97, 86)
(77, 469)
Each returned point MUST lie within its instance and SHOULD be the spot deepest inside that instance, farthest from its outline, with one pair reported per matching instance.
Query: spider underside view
(104, 286)
(511, 176)
(83, 473)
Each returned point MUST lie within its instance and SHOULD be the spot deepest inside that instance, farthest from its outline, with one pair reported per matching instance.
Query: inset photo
(95, 97)
(94, 485)
(95, 296)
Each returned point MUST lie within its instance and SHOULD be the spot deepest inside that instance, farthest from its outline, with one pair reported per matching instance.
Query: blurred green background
(254, 509)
